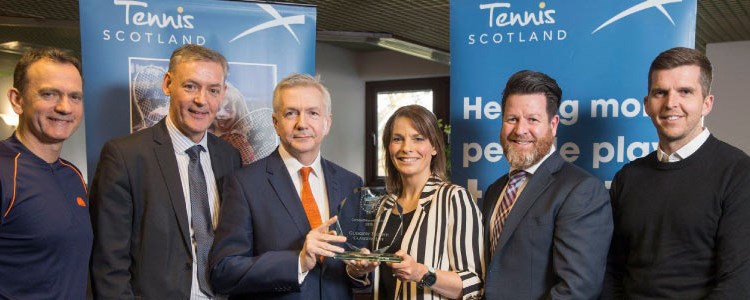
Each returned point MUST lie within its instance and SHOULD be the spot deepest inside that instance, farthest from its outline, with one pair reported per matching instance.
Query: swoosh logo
(278, 20)
(639, 7)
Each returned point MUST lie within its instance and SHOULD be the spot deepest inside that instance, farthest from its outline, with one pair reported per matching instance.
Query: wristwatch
(429, 278)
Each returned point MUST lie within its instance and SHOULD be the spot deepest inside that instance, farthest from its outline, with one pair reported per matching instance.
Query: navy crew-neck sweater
(682, 229)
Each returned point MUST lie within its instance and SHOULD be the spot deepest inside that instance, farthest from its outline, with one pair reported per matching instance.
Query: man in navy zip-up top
(45, 231)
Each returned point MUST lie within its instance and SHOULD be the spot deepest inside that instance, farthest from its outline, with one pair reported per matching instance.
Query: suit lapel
(335, 194)
(539, 182)
(217, 163)
(281, 181)
(220, 165)
(489, 203)
(165, 157)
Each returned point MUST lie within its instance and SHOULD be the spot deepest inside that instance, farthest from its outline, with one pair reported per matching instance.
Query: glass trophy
(370, 218)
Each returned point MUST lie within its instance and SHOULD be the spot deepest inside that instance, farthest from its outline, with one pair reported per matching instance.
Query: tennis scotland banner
(598, 51)
(126, 45)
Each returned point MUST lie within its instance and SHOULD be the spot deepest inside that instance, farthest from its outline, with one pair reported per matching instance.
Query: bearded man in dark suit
(549, 223)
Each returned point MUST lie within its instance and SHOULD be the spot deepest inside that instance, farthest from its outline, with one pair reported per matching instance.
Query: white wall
(7, 65)
(337, 68)
(730, 118)
(389, 65)
(345, 72)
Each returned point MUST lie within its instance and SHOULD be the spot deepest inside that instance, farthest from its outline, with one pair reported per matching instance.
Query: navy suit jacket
(555, 241)
(142, 244)
(262, 230)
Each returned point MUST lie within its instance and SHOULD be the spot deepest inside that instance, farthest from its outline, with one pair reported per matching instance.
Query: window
(382, 98)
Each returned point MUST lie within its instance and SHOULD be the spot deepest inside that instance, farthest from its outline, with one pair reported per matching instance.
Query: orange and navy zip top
(45, 230)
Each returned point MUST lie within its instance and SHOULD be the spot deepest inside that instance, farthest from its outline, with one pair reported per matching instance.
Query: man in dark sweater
(681, 213)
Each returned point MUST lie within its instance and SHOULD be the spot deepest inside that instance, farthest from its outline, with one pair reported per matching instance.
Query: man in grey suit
(273, 241)
(548, 222)
(155, 197)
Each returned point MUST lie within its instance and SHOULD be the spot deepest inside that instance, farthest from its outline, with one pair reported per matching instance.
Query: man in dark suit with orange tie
(549, 223)
(155, 195)
(273, 241)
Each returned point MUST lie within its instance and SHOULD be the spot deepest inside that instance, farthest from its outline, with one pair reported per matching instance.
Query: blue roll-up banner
(598, 51)
(126, 47)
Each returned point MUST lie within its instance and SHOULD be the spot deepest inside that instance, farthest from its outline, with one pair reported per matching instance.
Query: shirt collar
(686, 150)
(15, 143)
(180, 142)
(293, 165)
(534, 167)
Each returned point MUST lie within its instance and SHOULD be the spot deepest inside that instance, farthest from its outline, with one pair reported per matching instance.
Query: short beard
(520, 160)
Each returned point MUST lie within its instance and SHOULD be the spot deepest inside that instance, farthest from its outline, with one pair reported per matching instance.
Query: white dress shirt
(317, 185)
(180, 143)
(686, 150)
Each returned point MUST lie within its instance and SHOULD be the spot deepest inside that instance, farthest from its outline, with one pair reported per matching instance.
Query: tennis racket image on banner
(251, 132)
(148, 102)
(232, 123)
(262, 135)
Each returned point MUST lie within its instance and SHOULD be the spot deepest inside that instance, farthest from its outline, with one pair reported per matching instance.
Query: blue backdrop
(598, 51)
(126, 46)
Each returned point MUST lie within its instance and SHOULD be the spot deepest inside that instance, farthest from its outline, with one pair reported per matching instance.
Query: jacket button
(189, 265)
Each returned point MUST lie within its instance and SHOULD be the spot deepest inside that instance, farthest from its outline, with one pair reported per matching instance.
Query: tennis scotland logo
(144, 24)
(656, 4)
(278, 20)
(507, 24)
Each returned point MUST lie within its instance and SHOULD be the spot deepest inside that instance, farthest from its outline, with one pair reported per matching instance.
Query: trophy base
(352, 255)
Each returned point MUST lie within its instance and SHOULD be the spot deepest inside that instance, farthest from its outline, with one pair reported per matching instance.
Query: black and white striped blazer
(446, 233)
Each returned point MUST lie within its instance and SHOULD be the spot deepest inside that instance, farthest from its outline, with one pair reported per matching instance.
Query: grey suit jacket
(142, 245)
(556, 237)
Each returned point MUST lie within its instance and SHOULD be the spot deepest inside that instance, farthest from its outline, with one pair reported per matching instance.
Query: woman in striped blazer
(442, 241)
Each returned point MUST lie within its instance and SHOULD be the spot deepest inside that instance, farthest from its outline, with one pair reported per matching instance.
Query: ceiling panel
(424, 22)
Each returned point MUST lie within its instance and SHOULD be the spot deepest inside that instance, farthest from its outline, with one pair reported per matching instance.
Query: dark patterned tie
(200, 216)
(511, 191)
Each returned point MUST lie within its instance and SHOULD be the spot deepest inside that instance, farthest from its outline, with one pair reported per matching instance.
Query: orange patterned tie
(308, 200)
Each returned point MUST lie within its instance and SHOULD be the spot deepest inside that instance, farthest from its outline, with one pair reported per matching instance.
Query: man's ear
(165, 83)
(16, 100)
(553, 124)
(708, 104)
(327, 124)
